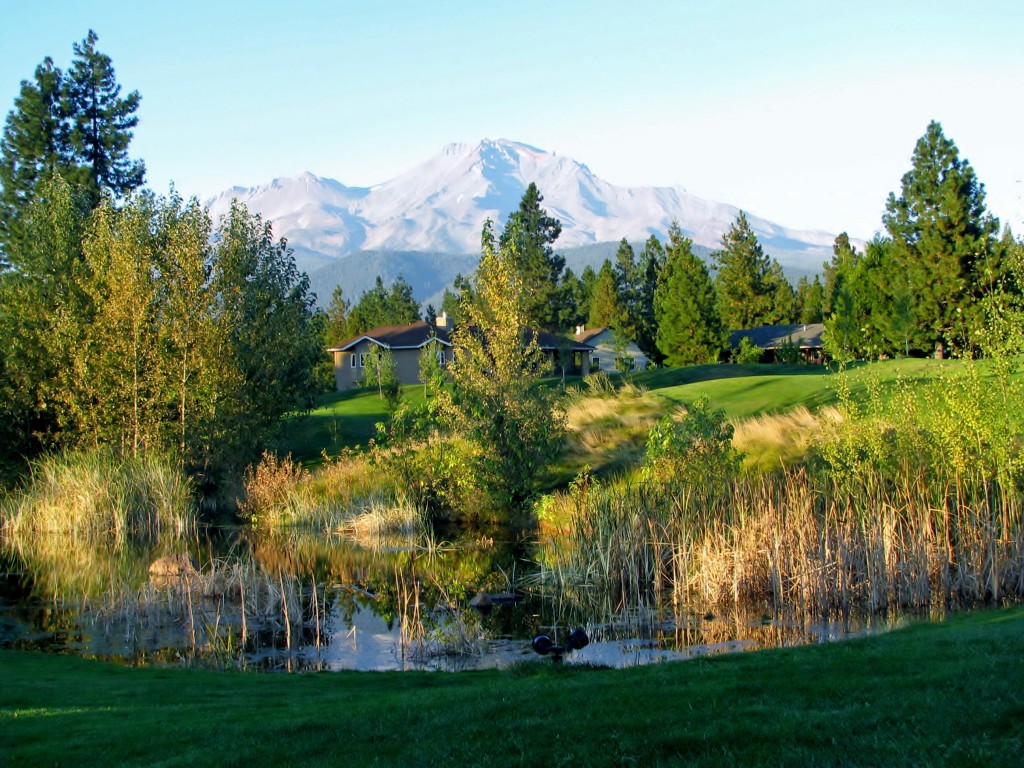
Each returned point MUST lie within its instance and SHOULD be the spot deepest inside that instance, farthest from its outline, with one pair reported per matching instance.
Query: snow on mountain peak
(441, 205)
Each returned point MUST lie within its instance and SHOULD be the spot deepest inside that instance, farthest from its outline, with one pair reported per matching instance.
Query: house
(806, 338)
(551, 345)
(609, 349)
(406, 343)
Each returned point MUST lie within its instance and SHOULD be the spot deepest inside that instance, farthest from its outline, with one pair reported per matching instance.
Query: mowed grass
(948, 693)
(340, 420)
(743, 391)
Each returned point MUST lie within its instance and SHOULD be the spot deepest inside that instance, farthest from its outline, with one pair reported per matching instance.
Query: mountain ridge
(440, 205)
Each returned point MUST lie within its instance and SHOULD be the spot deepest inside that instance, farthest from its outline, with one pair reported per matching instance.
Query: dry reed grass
(774, 441)
(801, 540)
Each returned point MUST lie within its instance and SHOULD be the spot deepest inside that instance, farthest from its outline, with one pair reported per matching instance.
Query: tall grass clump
(102, 497)
(347, 496)
(84, 517)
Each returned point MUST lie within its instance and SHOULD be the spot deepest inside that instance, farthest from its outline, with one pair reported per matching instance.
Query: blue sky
(803, 112)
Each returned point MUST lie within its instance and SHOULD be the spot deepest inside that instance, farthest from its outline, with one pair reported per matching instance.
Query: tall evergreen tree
(33, 146)
(605, 309)
(384, 306)
(746, 296)
(839, 269)
(809, 298)
(336, 327)
(101, 123)
(538, 266)
(575, 301)
(75, 123)
(689, 327)
(649, 266)
(942, 237)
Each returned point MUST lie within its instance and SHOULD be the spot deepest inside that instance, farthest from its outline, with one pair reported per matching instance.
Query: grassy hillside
(948, 693)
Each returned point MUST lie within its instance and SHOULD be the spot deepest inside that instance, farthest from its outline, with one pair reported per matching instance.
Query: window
(362, 359)
(440, 357)
(352, 360)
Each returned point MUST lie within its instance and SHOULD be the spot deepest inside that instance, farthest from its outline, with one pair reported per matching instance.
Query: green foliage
(538, 267)
(751, 288)
(432, 362)
(694, 447)
(383, 306)
(943, 239)
(512, 428)
(145, 330)
(74, 123)
(810, 298)
(100, 123)
(44, 314)
(336, 325)
(788, 352)
(689, 329)
(381, 372)
(605, 310)
(747, 352)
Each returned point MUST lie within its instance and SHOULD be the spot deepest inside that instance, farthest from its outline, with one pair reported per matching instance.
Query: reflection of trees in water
(282, 599)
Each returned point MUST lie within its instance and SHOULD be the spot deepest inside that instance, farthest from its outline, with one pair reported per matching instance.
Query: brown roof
(590, 333)
(417, 335)
(411, 336)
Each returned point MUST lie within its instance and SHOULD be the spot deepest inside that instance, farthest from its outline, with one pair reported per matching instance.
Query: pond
(302, 600)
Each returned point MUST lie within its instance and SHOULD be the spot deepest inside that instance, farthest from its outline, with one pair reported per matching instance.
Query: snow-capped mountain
(440, 206)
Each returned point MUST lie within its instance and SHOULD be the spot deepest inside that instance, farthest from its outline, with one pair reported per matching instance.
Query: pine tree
(782, 298)
(336, 328)
(74, 123)
(746, 297)
(689, 328)
(605, 309)
(101, 123)
(649, 266)
(537, 264)
(943, 238)
(33, 147)
(809, 298)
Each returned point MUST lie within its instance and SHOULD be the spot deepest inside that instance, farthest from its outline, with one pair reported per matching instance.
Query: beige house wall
(407, 365)
(604, 353)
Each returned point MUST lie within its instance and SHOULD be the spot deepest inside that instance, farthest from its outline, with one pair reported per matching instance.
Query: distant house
(607, 350)
(807, 338)
(406, 343)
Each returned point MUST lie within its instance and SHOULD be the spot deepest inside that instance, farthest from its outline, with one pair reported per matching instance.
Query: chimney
(580, 329)
(442, 320)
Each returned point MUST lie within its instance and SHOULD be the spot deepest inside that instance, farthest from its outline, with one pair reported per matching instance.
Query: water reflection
(301, 600)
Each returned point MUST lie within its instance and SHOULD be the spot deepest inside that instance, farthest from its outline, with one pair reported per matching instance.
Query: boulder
(171, 568)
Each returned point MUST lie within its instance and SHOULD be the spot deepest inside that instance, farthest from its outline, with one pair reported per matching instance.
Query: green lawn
(341, 420)
(950, 693)
(749, 390)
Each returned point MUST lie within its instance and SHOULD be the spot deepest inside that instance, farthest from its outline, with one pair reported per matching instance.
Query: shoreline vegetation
(945, 693)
